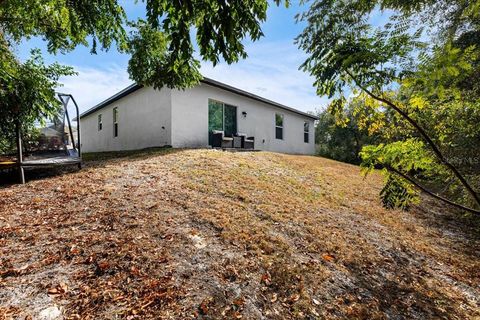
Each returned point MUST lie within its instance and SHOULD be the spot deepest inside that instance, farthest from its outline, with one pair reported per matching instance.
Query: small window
(100, 124)
(306, 131)
(115, 122)
(279, 126)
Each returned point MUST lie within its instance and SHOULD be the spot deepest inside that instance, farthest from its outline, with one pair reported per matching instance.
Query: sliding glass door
(221, 117)
(230, 120)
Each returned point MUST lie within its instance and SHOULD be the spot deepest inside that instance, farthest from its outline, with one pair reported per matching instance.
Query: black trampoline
(56, 143)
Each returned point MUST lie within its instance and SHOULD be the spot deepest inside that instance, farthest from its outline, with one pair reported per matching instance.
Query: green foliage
(407, 156)
(166, 38)
(341, 133)
(27, 93)
(340, 42)
(64, 24)
(220, 25)
(152, 64)
(397, 193)
(419, 97)
(161, 47)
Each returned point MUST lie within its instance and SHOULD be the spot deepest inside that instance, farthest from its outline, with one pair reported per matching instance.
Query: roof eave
(254, 97)
(125, 92)
(134, 87)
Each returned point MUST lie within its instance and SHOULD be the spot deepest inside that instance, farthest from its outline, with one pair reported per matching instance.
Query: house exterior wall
(144, 120)
(190, 121)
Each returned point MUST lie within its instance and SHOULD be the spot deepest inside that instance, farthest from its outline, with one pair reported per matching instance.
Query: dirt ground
(183, 234)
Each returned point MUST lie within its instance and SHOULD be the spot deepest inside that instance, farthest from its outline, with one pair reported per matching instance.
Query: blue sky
(271, 69)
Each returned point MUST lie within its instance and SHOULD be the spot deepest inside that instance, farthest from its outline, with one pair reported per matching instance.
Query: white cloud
(270, 71)
(92, 86)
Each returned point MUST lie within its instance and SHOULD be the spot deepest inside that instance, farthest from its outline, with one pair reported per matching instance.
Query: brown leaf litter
(206, 234)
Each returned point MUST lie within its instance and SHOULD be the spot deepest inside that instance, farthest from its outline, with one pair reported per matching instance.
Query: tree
(162, 47)
(342, 136)
(405, 73)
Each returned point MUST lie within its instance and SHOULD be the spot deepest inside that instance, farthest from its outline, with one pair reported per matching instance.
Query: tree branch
(419, 186)
(425, 136)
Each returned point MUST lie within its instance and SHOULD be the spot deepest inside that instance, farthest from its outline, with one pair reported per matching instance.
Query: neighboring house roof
(134, 87)
(51, 132)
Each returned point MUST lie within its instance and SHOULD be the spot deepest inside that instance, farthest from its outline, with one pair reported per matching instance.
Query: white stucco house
(141, 117)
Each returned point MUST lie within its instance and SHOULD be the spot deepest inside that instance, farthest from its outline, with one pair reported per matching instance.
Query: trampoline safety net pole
(21, 172)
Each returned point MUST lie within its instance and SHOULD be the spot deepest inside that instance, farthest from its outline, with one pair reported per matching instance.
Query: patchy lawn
(180, 234)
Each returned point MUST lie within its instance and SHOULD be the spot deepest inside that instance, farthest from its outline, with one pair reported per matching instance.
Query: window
(279, 126)
(100, 124)
(306, 130)
(115, 122)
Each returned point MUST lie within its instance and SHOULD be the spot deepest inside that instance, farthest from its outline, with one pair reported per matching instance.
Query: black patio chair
(248, 143)
(219, 140)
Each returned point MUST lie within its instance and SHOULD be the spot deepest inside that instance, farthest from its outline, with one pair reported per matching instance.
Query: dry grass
(179, 234)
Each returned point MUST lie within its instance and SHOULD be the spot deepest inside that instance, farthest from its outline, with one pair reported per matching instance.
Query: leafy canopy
(414, 77)
(341, 136)
(26, 93)
(161, 46)
(219, 26)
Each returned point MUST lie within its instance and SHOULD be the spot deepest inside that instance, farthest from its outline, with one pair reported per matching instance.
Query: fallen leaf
(266, 278)
(204, 306)
(294, 297)
(274, 298)
(53, 291)
(327, 257)
(134, 270)
(104, 265)
(239, 302)
(59, 289)
(64, 287)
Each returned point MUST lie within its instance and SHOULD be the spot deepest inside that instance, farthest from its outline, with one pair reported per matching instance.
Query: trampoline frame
(21, 164)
